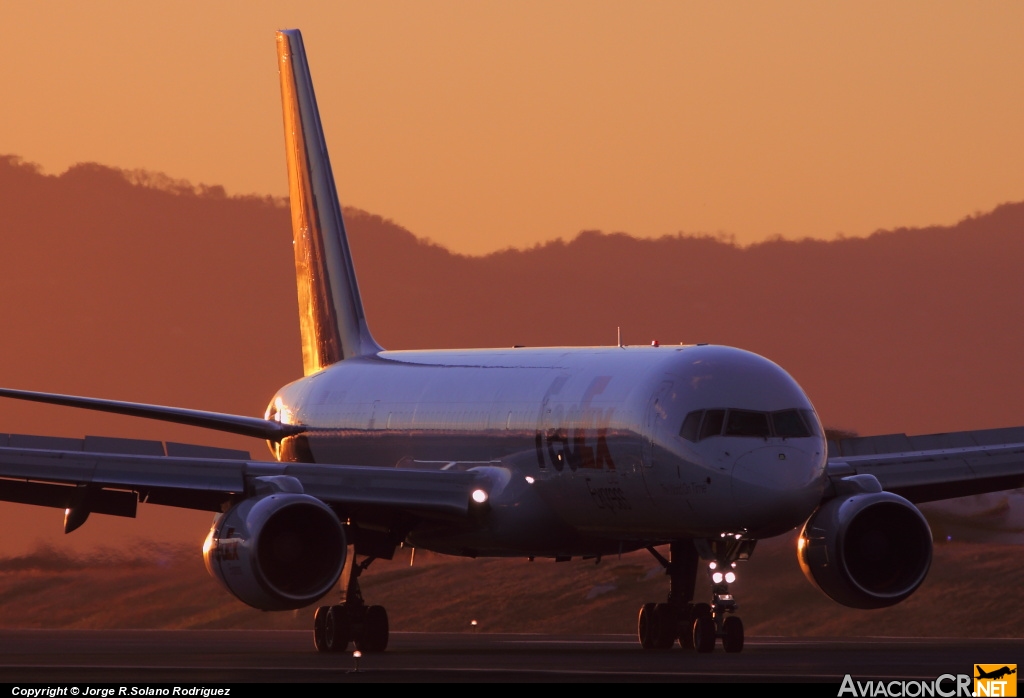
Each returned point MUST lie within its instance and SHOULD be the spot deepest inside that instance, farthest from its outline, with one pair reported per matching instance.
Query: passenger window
(712, 424)
(747, 423)
(789, 424)
(691, 425)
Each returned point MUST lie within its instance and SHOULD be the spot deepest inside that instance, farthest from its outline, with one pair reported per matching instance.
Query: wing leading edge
(935, 466)
(219, 421)
(111, 476)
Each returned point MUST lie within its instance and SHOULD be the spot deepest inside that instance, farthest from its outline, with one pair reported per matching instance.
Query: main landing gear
(696, 626)
(334, 627)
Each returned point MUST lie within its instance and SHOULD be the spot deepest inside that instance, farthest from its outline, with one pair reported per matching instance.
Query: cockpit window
(712, 424)
(785, 424)
(789, 424)
(811, 421)
(747, 423)
(691, 425)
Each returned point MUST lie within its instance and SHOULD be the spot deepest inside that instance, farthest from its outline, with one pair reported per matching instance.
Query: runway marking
(345, 665)
(566, 642)
(247, 656)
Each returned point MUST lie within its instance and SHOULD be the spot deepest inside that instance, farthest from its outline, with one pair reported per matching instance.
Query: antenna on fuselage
(618, 336)
(331, 317)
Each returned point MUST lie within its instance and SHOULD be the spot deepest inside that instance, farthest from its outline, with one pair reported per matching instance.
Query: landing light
(479, 496)
(728, 577)
(529, 480)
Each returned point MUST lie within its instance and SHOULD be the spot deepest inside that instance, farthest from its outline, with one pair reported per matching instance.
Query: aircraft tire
(704, 634)
(732, 640)
(319, 628)
(646, 627)
(685, 628)
(374, 637)
(337, 629)
(666, 626)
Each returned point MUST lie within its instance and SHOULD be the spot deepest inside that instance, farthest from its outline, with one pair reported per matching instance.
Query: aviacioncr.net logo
(995, 680)
(945, 686)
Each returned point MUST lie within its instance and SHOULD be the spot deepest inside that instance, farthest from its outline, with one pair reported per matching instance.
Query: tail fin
(330, 310)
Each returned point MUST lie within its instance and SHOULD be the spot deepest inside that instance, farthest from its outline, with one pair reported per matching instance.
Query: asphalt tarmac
(79, 658)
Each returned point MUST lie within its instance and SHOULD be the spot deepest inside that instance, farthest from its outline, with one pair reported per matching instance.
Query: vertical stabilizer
(330, 310)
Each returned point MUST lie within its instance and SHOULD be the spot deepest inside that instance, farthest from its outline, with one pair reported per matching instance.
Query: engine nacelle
(866, 550)
(277, 552)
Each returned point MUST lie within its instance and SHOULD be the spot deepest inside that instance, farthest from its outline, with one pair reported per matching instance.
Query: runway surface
(205, 657)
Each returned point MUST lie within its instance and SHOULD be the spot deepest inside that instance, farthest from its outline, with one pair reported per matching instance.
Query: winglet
(331, 314)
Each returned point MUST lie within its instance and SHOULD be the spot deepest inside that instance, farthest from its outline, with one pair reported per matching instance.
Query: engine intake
(866, 550)
(278, 552)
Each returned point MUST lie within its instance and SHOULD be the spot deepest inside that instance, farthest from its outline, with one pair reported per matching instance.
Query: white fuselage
(583, 446)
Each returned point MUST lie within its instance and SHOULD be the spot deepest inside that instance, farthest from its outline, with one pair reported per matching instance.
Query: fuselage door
(654, 425)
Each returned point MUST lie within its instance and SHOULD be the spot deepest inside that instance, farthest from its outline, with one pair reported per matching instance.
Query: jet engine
(277, 552)
(866, 550)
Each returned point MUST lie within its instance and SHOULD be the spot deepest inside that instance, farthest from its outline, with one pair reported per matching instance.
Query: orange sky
(487, 124)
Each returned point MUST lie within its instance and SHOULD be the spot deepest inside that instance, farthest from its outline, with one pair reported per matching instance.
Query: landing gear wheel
(704, 633)
(375, 631)
(319, 628)
(686, 628)
(647, 627)
(337, 629)
(666, 626)
(657, 626)
(660, 625)
(650, 626)
(732, 640)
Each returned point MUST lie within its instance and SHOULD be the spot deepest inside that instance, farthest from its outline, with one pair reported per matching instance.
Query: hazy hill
(133, 286)
(139, 287)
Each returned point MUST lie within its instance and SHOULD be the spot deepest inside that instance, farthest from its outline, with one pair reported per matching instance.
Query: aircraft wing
(934, 466)
(231, 423)
(110, 476)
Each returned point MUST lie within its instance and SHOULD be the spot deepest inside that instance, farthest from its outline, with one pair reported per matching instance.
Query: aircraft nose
(777, 487)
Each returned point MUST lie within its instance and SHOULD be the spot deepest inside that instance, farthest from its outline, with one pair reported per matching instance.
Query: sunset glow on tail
(331, 314)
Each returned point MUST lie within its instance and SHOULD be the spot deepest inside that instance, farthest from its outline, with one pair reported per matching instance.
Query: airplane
(560, 452)
(994, 674)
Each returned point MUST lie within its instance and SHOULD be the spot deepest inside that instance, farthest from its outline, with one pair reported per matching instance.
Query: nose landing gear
(696, 626)
(714, 621)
